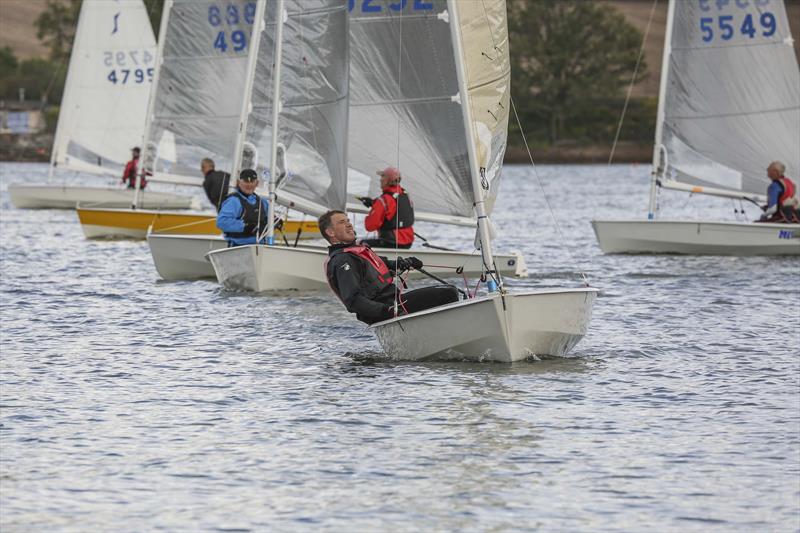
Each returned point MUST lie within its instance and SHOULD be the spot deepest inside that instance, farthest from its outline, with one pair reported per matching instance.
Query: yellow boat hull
(134, 224)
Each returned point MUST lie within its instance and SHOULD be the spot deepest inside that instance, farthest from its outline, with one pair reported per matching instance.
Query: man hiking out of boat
(365, 283)
(215, 183)
(782, 202)
(391, 214)
(243, 215)
(131, 169)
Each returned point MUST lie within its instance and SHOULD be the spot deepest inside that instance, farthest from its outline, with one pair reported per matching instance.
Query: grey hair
(780, 166)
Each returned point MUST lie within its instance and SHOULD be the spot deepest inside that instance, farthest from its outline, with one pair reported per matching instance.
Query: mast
(466, 112)
(67, 90)
(252, 64)
(151, 102)
(276, 109)
(662, 92)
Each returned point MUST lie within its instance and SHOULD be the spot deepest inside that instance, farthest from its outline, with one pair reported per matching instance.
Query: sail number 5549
(725, 26)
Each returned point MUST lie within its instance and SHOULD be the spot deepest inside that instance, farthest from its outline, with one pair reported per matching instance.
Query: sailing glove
(250, 228)
(367, 201)
(407, 264)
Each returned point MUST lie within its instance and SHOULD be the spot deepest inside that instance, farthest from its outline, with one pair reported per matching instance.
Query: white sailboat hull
(696, 238)
(534, 323)
(183, 257)
(271, 268)
(67, 197)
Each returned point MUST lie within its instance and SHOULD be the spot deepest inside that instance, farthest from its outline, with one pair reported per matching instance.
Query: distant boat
(102, 110)
(729, 104)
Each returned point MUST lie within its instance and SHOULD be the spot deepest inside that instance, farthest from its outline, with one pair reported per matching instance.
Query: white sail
(110, 75)
(405, 108)
(731, 96)
(199, 86)
(312, 114)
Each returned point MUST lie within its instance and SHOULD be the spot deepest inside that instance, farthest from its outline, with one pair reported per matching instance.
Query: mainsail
(108, 83)
(199, 86)
(731, 95)
(405, 101)
(313, 96)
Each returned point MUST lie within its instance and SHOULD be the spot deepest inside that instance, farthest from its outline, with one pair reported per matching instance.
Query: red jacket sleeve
(376, 216)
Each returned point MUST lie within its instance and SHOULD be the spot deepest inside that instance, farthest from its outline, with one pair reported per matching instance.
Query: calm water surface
(130, 404)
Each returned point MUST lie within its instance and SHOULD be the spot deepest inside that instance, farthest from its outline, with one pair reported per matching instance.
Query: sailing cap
(390, 172)
(248, 174)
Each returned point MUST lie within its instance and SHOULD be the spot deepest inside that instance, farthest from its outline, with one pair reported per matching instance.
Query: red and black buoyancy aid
(403, 217)
(250, 214)
(788, 190)
(377, 276)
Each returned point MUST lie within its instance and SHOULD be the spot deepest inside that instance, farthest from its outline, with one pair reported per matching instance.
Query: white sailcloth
(200, 84)
(312, 115)
(405, 109)
(732, 95)
(110, 75)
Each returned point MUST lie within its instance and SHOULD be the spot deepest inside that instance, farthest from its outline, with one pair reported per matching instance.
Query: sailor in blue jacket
(240, 217)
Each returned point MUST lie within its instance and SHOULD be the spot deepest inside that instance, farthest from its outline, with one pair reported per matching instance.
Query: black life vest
(377, 276)
(216, 185)
(250, 214)
(404, 218)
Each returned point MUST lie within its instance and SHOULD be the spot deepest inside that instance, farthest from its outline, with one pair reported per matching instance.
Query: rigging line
(397, 280)
(544, 194)
(632, 83)
(530, 157)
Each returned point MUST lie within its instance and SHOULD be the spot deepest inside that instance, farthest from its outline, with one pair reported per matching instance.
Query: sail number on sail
(372, 6)
(725, 26)
(129, 67)
(231, 15)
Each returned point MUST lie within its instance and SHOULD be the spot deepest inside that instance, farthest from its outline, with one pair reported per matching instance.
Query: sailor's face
(248, 187)
(773, 173)
(341, 229)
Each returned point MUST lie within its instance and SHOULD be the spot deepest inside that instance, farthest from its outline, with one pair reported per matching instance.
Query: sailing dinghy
(102, 111)
(383, 115)
(729, 104)
(501, 325)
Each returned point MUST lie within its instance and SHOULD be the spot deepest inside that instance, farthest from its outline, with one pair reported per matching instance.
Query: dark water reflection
(132, 404)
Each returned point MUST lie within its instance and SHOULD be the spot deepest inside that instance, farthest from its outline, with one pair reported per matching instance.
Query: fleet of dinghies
(193, 113)
(315, 95)
(729, 104)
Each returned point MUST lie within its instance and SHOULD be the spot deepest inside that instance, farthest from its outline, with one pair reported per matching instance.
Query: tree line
(571, 62)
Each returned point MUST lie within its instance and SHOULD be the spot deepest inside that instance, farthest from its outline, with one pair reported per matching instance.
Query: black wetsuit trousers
(427, 297)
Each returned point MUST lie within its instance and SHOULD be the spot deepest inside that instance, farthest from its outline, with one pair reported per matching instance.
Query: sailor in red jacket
(129, 174)
(391, 214)
(364, 281)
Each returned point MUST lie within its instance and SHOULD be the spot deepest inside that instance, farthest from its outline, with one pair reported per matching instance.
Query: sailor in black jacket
(365, 283)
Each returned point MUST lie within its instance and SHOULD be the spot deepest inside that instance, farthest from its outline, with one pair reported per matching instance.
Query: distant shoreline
(36, 149)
